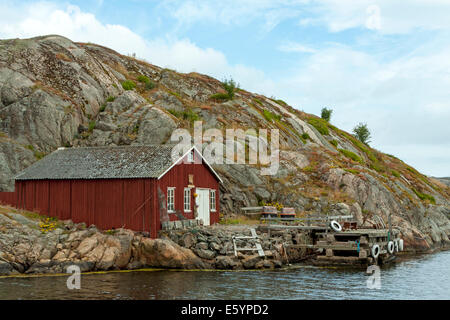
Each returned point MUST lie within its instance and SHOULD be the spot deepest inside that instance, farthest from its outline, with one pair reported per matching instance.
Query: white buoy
(400, 244)
(335, 226)
(391, 247)
(375, 251)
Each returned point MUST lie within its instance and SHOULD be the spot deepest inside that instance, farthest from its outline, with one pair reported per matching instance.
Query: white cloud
(386, 16)
(295, 47)
(181, 54)
(405, 101)
(234, 12)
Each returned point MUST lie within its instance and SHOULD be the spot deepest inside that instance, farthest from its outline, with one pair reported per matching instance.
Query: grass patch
(270, 116)
(149, 84)
(424, 196)
(102, 108)
(128, 85)
(351, 155)
(238, 220)
(306, 136)
(176, 94)
(91, 126)
(258, 101)
(110, 99)
(320, 124)
(221, 96)
(185, 114)
(334, 143)
(354, 171)
(395, 173)
(39, 154)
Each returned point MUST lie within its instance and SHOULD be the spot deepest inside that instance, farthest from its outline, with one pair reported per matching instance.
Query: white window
(191, 156)
(212, 200)
(171, 199)
(187, 199)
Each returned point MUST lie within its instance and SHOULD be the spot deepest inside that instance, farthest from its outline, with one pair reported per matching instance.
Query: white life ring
(400, 244)
(391, 247)
(375, 251)
(335, 226)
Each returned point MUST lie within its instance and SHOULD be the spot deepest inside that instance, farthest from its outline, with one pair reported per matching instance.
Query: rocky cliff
(54, 92)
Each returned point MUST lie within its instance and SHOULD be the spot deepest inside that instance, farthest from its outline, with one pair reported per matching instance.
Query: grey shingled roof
(148, 161)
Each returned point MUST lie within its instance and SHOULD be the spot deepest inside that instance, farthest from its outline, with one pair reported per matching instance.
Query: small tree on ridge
(362, 133)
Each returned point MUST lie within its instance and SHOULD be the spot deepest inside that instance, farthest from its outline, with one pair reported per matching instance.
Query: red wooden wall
(178, 177)
(106, 203)
(112, 203)
(8, 198)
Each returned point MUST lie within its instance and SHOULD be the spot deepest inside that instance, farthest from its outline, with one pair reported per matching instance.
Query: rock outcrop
(28, 246)
(57, 93)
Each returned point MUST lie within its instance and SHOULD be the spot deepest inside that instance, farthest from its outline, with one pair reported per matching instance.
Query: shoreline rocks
(25, 249)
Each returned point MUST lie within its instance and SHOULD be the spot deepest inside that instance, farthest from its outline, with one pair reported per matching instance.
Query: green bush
(149, 84)
(326, 114)
(230, 87)
(351, 155)
(320, 124)
(143, 79)
(128, 85)
(110, 99)
(305, 136)
(103, 107)
(334, 143)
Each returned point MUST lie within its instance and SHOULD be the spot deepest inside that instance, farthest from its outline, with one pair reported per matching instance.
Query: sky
(381, 62)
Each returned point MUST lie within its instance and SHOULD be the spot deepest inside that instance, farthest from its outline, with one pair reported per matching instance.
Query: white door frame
(206, 220)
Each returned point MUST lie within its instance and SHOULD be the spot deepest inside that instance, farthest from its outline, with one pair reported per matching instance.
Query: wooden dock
(341, 245)
(352, 246)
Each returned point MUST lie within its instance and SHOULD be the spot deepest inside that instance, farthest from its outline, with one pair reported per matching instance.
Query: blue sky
(383, 62)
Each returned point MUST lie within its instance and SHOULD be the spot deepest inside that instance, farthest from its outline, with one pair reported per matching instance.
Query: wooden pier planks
(258, 246)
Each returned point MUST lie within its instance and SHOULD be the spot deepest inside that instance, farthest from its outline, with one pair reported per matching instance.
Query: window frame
(171, 197)
(189, 198)
(211, 203)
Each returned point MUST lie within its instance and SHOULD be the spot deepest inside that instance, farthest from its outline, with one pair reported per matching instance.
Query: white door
(202, 202)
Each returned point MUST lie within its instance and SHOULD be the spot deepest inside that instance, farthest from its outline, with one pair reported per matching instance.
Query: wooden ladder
(253, 236)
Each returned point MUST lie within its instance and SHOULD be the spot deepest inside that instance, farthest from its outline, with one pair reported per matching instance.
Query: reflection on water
(426, 277)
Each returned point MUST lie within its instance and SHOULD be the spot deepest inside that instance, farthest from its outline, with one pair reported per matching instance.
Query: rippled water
(425, 277)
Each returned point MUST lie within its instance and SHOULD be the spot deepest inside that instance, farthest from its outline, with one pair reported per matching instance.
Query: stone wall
(214, 245)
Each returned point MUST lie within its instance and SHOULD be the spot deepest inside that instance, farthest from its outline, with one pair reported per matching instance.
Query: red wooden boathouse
(134, 187)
